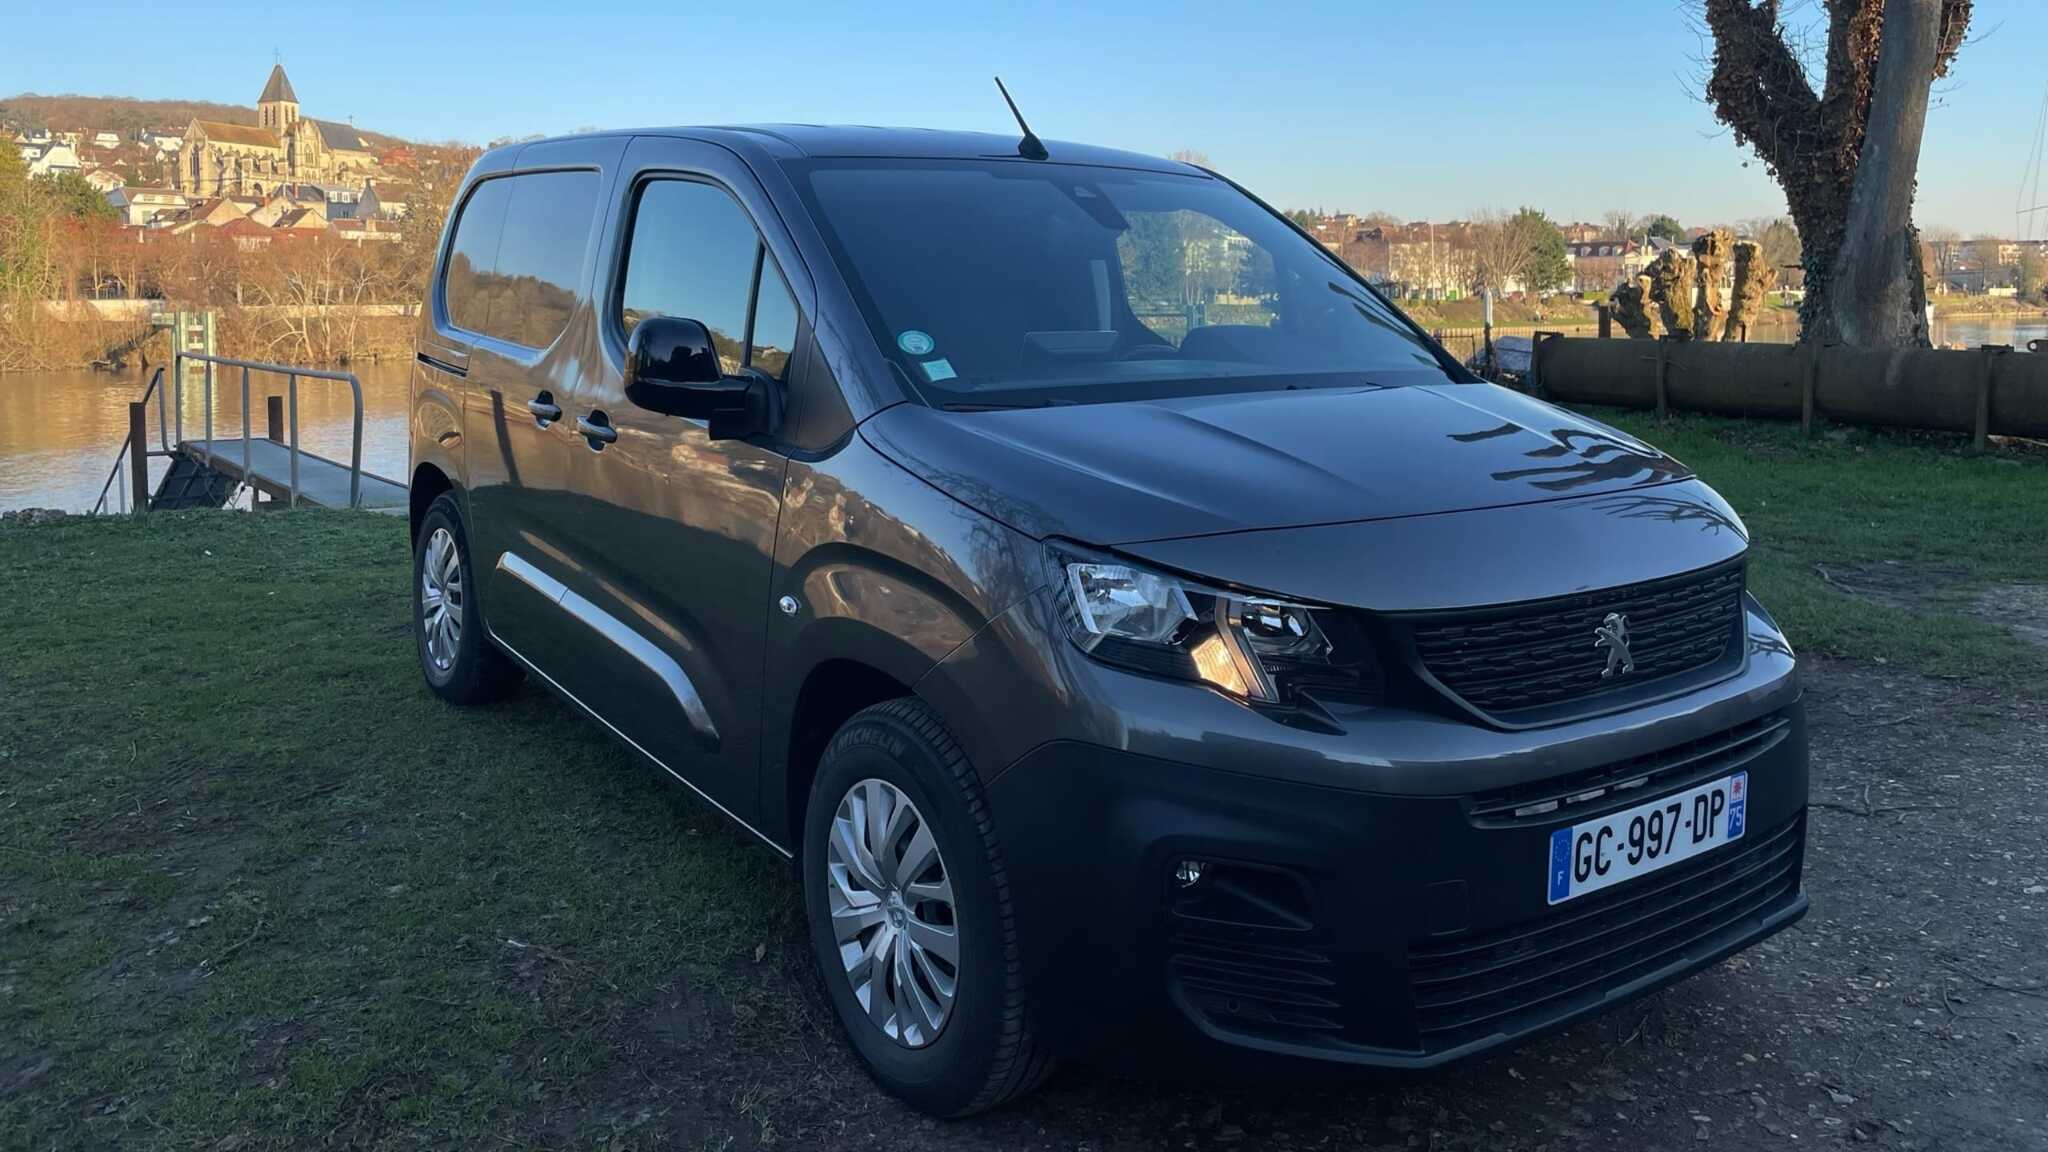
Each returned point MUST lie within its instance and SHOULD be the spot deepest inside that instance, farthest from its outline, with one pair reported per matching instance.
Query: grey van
(1140, 636)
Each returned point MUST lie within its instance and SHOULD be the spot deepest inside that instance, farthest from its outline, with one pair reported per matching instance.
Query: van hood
(1123, 473)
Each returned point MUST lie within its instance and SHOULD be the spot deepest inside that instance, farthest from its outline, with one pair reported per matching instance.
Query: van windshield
(997, 283)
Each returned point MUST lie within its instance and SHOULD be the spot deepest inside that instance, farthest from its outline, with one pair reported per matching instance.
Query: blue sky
(1424, 110)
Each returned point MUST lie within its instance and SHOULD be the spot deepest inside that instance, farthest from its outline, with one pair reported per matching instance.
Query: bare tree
(1943, 251)
(1504, 248)
(1622, 224)
(1847, 156)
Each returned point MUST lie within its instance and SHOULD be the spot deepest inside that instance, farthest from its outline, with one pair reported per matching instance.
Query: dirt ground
(1909, 1010)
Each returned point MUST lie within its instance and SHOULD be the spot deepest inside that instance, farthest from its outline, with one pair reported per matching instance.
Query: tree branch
(1757, 86)
(1955, 22)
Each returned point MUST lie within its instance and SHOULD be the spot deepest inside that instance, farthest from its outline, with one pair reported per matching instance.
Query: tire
(982, 1053)
(460, 662)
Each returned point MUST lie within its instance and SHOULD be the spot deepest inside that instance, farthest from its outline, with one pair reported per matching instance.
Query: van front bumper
(1362, 927)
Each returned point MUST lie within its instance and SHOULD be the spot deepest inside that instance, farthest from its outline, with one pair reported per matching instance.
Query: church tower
(278, 108)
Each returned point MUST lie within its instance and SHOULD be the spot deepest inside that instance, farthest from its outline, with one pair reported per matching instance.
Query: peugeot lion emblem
(1612, 634)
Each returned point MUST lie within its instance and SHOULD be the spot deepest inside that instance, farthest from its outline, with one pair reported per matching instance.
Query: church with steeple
(280, 150)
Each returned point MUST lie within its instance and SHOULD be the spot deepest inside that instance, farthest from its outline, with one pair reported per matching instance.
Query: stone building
(281, 148)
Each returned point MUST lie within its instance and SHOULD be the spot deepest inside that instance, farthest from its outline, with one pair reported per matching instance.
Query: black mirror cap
(671, 350)
(672, 368)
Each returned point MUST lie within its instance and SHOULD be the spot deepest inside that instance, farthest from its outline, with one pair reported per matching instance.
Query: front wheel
(910, 915)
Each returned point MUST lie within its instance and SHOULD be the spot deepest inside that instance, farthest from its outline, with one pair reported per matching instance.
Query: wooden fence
(1985, 391)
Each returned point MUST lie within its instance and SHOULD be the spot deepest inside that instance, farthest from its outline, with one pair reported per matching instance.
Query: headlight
(1258, 648)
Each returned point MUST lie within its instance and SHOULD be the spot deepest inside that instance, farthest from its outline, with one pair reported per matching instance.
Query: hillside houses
(104, 157)
(133, 176)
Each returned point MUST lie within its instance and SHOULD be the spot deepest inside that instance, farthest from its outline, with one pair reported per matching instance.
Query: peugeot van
(1138, 634)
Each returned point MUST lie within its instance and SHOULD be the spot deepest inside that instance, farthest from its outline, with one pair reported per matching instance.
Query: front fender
(885, 571)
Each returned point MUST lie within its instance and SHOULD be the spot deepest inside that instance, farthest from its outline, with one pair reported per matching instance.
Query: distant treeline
(126, 116)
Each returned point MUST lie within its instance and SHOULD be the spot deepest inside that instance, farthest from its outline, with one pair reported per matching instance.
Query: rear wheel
(460, 662)
(910, 915)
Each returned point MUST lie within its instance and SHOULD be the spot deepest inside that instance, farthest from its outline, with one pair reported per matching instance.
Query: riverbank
(311, 337)
(1986, 307)
(1557, 312)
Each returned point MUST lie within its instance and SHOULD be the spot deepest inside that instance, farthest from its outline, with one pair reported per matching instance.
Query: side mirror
(672, 367)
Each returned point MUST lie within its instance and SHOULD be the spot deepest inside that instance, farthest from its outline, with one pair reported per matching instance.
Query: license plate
(1602, 853)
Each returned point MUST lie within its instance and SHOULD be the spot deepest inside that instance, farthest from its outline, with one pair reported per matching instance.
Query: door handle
(598, 431)
(545, 410)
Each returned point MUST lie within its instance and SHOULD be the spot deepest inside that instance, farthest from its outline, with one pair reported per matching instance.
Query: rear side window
(472, 255)
(695, 254)
(526, 291)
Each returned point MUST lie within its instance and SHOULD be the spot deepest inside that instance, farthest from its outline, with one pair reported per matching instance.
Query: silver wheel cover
(893, 916)
(441, 600)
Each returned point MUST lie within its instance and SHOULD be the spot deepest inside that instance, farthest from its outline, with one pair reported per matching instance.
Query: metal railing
(122, 460)
(291, 375)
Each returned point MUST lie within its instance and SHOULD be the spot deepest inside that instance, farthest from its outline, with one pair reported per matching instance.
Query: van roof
(800, 141)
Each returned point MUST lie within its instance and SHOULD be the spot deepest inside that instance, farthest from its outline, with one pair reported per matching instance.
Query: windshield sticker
(916, 343)
(937, 370)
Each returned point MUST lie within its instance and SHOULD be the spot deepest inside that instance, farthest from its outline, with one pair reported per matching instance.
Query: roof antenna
(1030, 147)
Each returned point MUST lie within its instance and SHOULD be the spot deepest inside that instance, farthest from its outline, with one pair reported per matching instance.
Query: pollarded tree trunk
(1855, 225)
(1710, 254)
(1879, 295)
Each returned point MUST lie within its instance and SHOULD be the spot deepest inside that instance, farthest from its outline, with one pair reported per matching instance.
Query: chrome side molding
(615, 630)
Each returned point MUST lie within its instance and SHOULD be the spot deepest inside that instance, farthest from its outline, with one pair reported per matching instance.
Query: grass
(1876, 545)
(259, 889)
(1471, 313)
(254, 881)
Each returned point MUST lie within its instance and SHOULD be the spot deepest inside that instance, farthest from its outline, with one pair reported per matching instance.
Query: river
(1949, 332)
(59, 431)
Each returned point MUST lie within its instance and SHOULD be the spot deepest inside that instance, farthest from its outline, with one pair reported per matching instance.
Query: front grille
(1542, 654)
(1667, 770)
(1257, 987)
(1469, 989)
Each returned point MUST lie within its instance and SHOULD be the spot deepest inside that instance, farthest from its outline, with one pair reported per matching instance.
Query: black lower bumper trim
(1369, 929)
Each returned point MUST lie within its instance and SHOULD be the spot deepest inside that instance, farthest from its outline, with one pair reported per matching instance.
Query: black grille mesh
(1468, 989)
(1542, 654)
(1258, 987)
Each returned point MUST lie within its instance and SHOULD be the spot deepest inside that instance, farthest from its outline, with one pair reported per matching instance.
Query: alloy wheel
(441, 599)
(893, 915)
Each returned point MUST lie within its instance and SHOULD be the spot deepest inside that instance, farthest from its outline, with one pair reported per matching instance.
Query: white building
(139, 206)
(54, 160)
